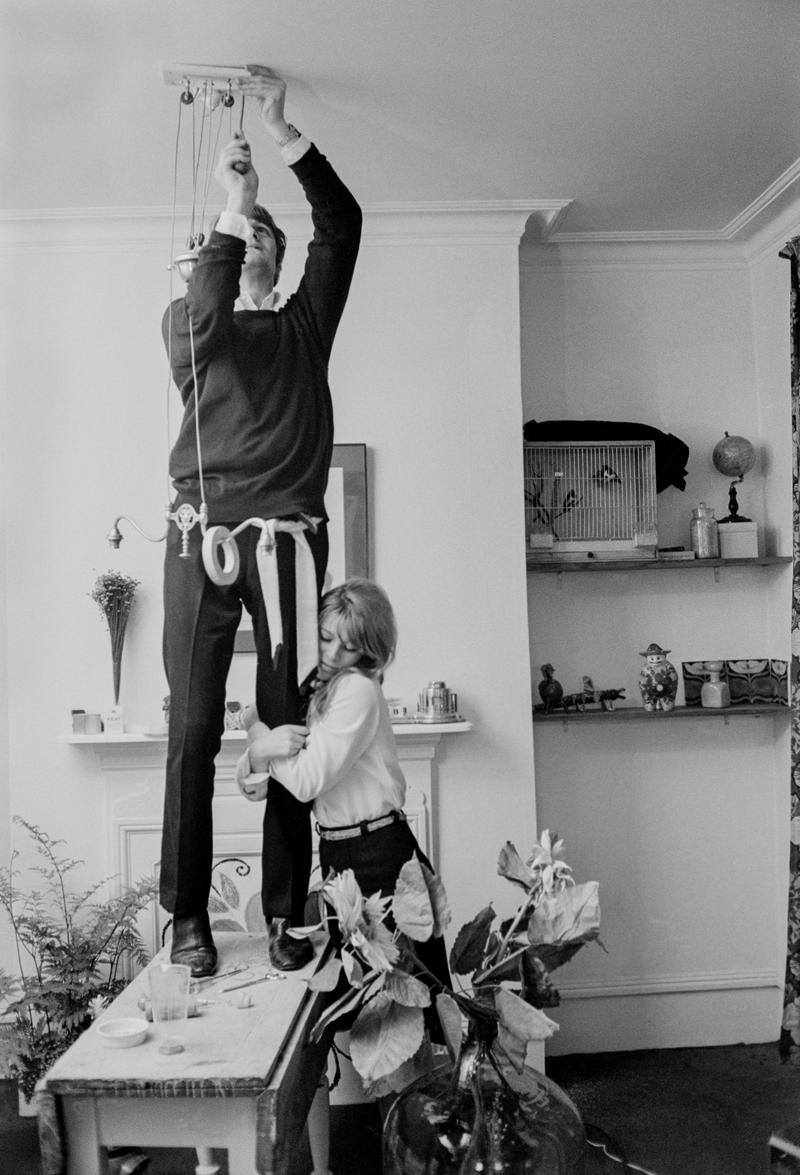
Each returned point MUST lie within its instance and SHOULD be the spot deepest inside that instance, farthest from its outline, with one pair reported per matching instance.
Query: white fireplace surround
(132, 767)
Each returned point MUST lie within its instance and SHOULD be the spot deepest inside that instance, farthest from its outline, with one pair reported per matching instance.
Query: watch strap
(292, 134)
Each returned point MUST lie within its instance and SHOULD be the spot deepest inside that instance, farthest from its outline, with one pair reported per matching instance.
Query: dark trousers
(376, 859)
(200, 622)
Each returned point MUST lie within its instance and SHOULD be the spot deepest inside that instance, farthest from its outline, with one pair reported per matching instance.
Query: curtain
(789, 1044)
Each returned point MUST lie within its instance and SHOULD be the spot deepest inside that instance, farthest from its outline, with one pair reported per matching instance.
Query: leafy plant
(376, 975)
(73, 951)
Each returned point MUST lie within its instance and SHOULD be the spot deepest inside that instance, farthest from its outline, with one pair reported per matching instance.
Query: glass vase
(481, 1115)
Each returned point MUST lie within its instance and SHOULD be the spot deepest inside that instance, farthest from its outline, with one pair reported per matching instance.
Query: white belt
(219, 540)
(305, 579)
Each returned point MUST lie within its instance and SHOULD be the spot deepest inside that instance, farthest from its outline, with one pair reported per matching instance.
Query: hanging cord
(196, 396)
(197, 148)
(195, 393)
(211, 155)
(171, 270)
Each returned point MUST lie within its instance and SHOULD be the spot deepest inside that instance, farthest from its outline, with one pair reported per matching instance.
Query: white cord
(618, 1158)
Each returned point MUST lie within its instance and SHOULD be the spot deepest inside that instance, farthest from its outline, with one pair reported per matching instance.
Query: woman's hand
(280, 743)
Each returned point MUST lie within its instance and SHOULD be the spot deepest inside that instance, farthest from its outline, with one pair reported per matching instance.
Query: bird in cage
(607, 476)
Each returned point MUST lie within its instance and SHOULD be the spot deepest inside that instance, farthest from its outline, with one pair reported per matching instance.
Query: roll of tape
(218, 541)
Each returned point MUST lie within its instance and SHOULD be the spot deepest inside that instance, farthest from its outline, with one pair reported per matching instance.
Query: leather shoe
(287, 953)
(193, 945)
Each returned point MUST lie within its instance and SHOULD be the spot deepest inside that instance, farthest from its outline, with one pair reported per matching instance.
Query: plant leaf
(422, 1062)
(566, 915)
(411, 904)
(352, 969)
(511, 866)
(468, 949)
(450, 1020)
(384, 1035)
(327, 977)
(346, 1003)
(514, 1047)
(442, 914)
(520, 1019)
(407, 990)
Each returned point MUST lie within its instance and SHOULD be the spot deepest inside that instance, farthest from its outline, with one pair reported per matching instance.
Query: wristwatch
(293, 133)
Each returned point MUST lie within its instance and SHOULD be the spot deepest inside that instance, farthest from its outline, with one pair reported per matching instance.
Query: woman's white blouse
(349, 766)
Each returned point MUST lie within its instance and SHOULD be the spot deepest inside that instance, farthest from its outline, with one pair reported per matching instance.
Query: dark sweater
(266, 418)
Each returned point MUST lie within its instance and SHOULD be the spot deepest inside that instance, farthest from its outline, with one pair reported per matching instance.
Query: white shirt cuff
(233, 224)
(245, 775)
(294, 151)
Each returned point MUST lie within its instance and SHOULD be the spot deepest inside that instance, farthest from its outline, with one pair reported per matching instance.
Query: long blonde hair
(366, 620)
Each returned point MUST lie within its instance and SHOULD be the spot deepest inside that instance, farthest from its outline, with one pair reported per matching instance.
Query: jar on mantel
(704, 532)
(715, 694)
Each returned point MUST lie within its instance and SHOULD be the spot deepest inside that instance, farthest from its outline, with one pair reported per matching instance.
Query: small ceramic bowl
(122, 1034)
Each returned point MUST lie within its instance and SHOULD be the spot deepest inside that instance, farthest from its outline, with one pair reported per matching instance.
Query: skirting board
(667, 1019)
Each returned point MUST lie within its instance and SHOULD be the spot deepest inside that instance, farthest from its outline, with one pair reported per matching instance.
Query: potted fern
(75, 952)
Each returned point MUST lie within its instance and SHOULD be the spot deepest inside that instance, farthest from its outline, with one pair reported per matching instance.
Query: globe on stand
(733, 457)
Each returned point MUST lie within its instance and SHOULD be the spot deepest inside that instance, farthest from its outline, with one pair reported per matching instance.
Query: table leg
(205, 1162)
(85, 1155)
(319, 1129)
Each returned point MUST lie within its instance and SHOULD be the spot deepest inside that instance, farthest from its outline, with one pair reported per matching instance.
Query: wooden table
(244, 1082)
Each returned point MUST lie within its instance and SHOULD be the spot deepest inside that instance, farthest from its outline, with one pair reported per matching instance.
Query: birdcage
(590, 501)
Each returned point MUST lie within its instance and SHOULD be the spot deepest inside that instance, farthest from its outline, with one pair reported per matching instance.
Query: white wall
(683, 827)
(425, 373)
(683, 824)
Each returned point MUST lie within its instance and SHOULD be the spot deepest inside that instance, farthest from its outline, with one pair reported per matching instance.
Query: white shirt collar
(245, 302)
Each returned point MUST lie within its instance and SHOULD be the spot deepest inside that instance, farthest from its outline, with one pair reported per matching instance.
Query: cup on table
(169, 998)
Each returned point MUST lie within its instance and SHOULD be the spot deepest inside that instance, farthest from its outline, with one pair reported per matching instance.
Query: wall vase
(481, 1115)
(113, 592)
(658, 679)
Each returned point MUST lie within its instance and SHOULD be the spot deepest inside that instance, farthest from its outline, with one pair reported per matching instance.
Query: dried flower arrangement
(113, 593)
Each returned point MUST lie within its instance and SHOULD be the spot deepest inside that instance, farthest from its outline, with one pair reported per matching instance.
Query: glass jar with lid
(704, 532)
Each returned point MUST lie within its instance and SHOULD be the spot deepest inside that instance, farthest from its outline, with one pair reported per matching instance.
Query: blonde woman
(345, 760)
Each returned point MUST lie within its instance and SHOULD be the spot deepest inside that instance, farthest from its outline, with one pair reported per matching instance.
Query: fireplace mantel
(132, 779)
(415, 740)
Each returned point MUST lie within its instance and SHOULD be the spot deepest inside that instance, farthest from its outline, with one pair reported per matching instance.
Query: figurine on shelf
(658, 680)
(591, 696)
(578, 700)
(550, 691)
(607, 697)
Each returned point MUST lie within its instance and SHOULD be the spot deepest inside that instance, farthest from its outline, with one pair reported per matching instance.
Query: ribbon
(305, 593)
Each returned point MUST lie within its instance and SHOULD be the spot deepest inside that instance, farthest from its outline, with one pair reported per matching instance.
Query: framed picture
(348, 527)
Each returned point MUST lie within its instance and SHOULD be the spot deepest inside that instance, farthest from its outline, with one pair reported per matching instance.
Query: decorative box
(755, 681)
(738, 540)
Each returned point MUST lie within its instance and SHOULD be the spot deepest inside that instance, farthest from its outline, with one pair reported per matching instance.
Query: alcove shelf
(559, 565)
(639, 714)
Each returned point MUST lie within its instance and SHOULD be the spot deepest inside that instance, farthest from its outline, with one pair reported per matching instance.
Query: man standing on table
(265, 440)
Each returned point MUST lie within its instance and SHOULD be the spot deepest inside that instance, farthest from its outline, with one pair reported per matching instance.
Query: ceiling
(654, 119)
